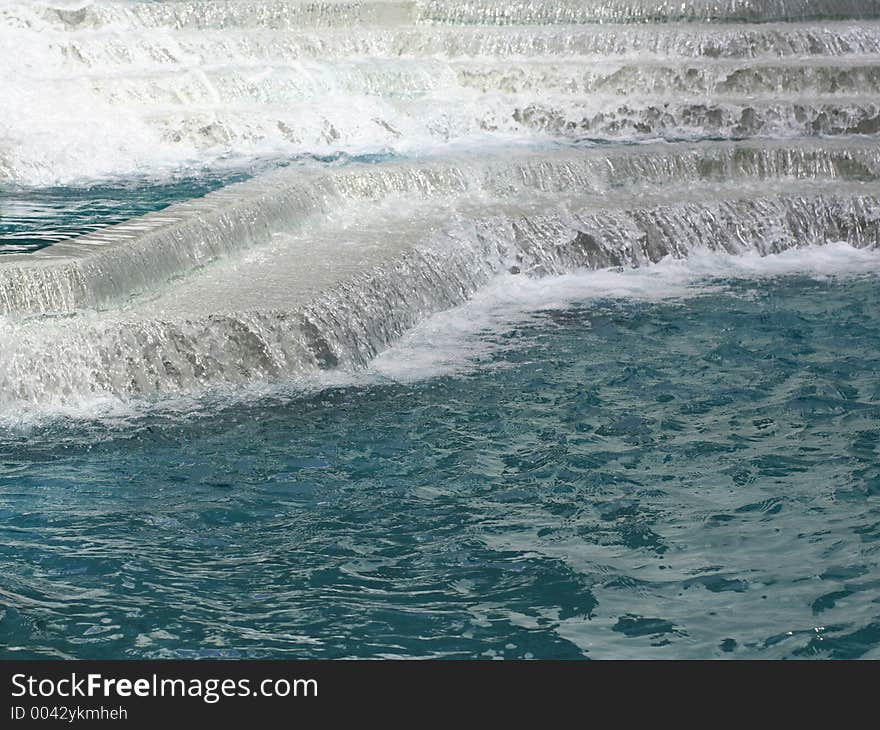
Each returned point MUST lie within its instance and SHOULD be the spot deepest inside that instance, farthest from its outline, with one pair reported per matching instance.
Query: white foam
(464, 338)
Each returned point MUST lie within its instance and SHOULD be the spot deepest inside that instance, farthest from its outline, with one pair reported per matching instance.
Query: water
(33, 217)
(37, 217)
(630, 475)
(425, 328)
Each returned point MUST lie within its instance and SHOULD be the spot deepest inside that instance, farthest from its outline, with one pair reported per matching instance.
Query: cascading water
(118, 88)
(106, 89)
(204, 198)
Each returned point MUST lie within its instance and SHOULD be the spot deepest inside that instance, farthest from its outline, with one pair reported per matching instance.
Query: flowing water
(440, 329)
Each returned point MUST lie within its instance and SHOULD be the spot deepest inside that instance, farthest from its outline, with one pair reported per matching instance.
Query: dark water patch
(32, 218)
(479, 514)
(637, 626)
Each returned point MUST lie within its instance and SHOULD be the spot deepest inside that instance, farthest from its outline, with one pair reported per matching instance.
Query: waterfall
(408, 153)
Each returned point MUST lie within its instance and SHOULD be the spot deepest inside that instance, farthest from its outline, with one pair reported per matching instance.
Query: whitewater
(424, 148)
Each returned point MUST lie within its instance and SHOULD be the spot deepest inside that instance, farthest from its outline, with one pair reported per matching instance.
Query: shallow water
(626, 476)
(34, 217)
(541, 329)
(31, 219)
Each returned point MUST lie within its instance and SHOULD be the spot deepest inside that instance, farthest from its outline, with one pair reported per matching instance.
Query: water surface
(619, 477)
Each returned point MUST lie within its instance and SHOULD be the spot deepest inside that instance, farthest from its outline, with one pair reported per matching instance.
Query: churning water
(426, 328)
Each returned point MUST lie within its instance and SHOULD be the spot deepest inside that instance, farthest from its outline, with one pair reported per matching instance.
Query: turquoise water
(615, 477)
(32, 218)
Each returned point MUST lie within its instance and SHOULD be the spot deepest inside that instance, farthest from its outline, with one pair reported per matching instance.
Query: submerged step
(216, 14)
(157, 49)
(303, 319)
(116, 90)
(115, 263)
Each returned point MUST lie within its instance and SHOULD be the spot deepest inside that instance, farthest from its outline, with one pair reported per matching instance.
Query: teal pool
(621, 476)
